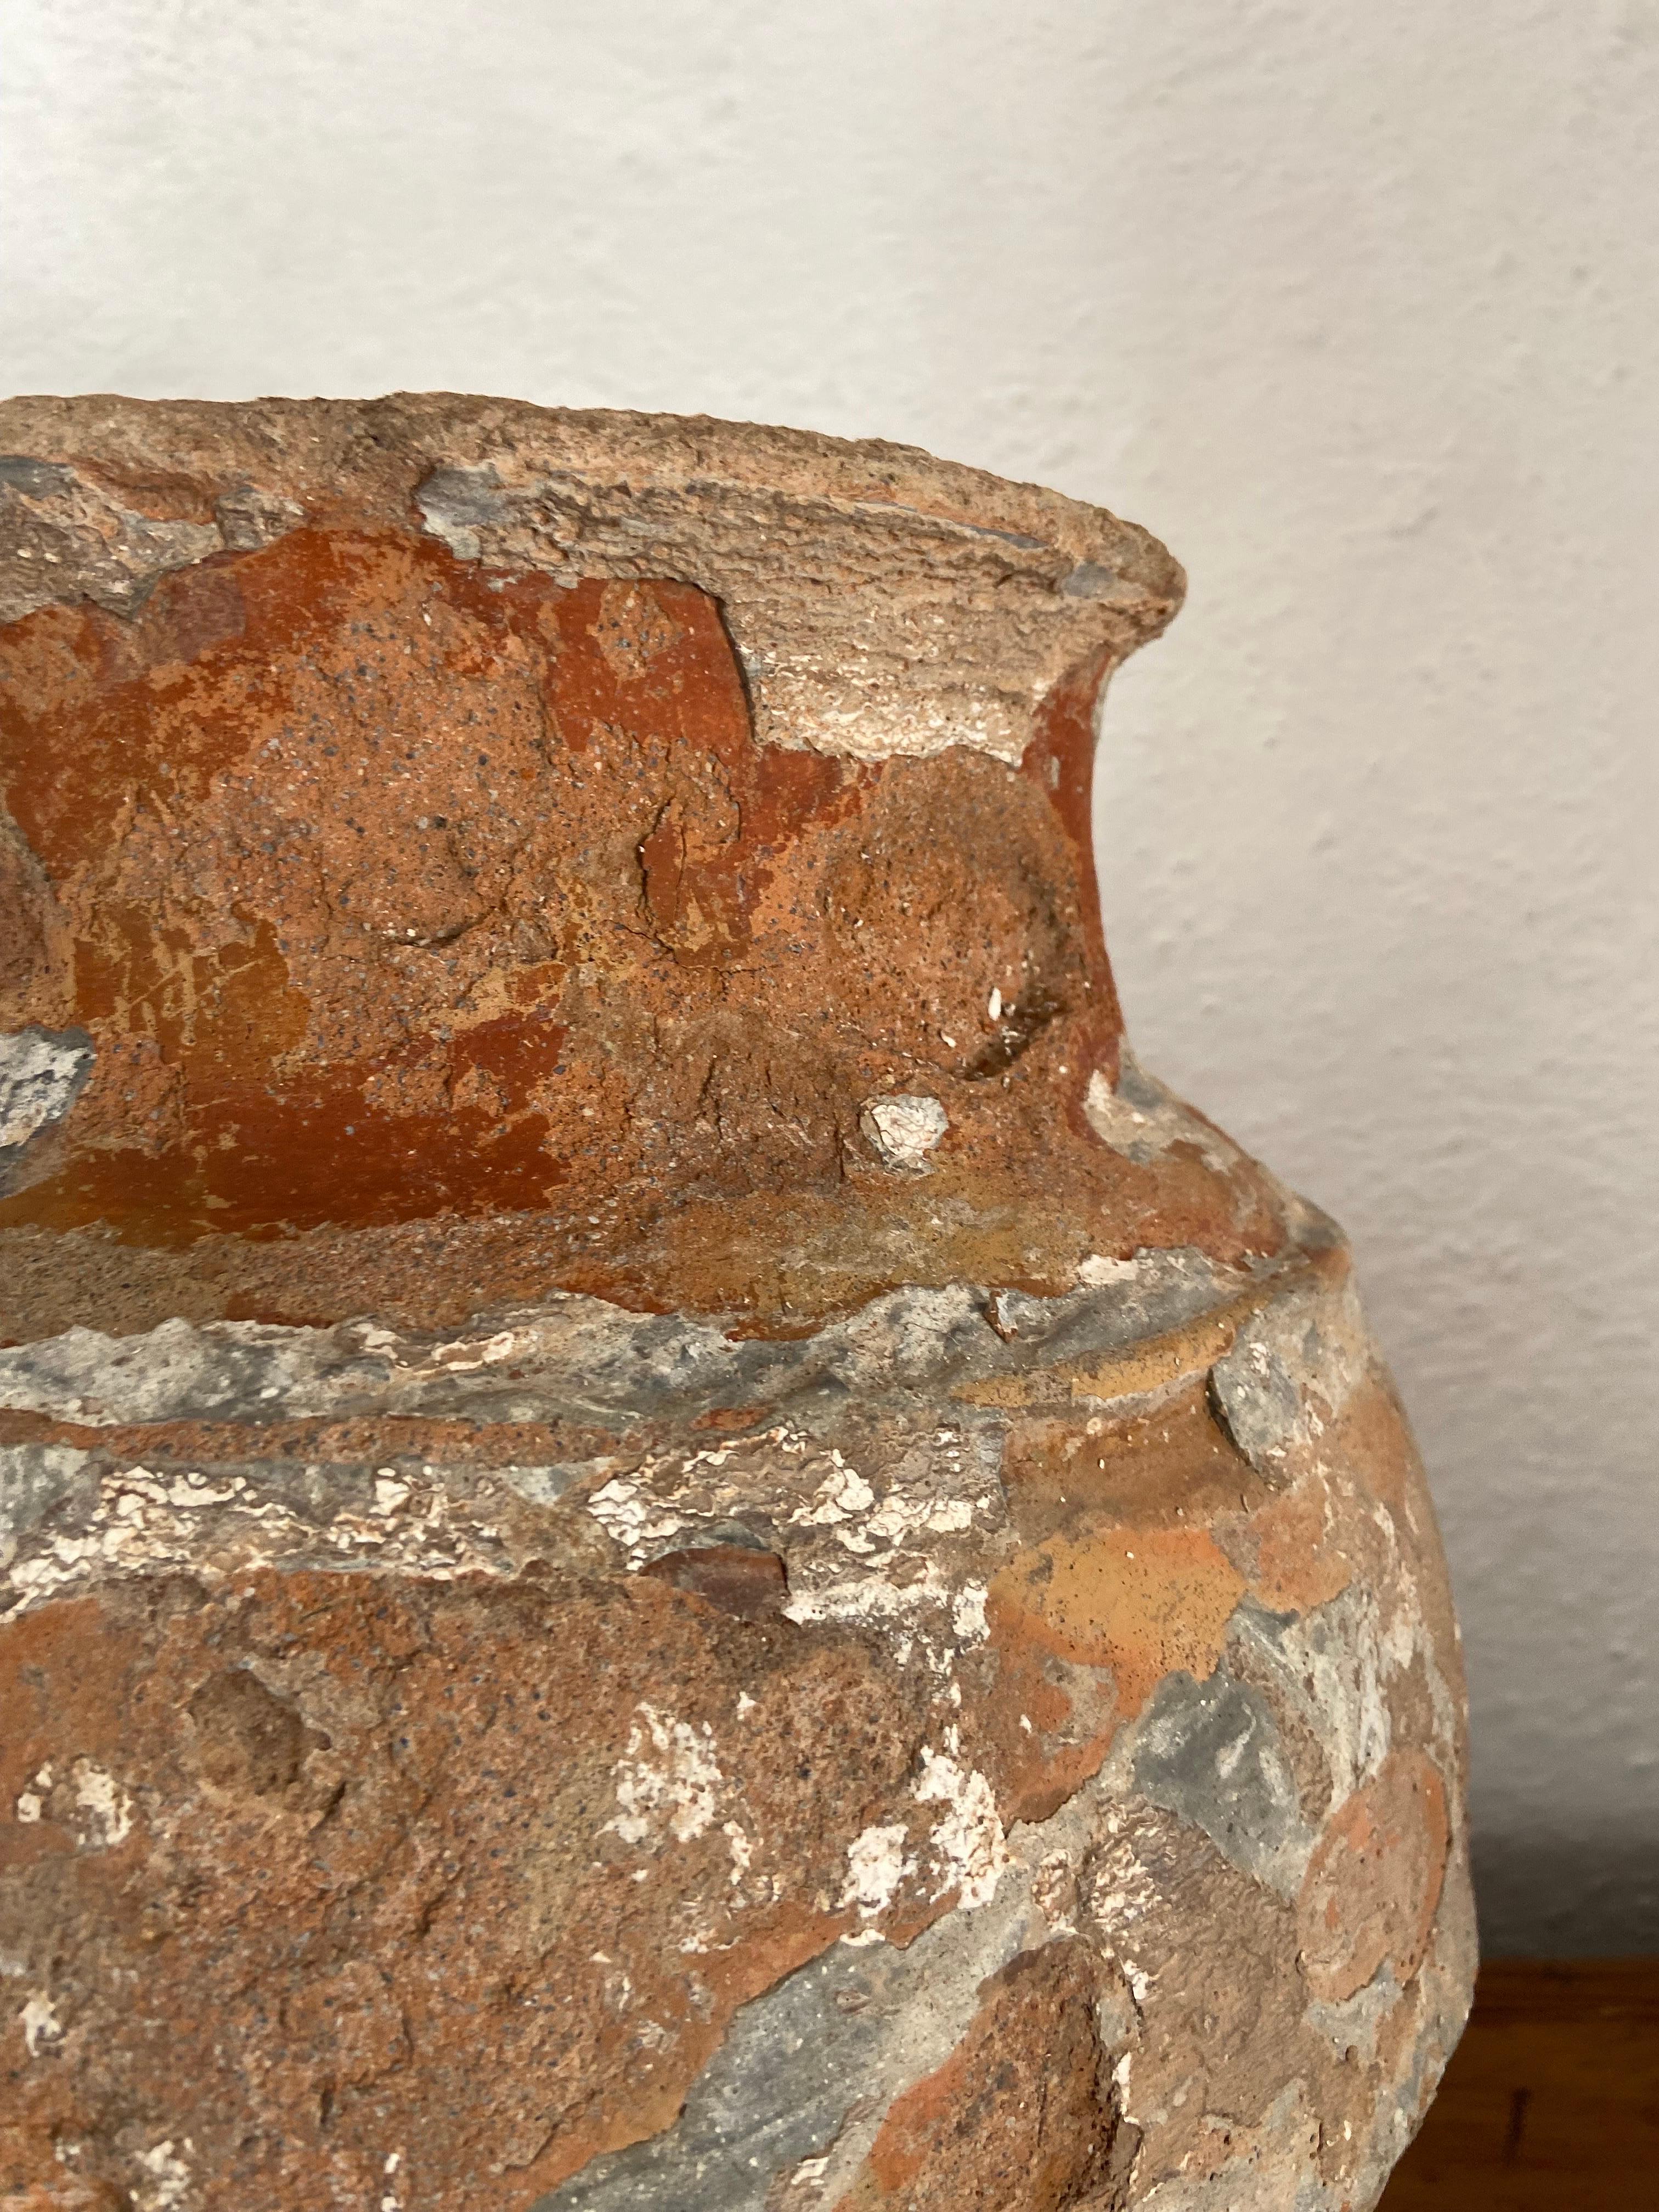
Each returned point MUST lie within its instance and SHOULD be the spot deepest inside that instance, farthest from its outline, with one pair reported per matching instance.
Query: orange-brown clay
(670, 1543)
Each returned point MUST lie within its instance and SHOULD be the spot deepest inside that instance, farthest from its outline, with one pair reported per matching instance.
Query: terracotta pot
(671, 1542)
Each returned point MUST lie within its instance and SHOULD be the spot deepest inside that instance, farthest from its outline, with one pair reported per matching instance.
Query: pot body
(671, 1541)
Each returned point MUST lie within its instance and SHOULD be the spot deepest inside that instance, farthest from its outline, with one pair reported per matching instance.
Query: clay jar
(669, 1540)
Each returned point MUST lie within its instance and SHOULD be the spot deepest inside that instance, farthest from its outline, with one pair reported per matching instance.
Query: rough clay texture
(669, 1541)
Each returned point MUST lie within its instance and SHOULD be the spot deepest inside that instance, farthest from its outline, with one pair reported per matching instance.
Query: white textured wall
(1357, 307)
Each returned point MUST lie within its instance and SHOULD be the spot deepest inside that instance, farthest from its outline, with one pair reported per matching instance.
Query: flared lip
(320, 447)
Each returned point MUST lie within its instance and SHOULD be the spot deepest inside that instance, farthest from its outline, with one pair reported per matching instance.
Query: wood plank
(1550, 2103)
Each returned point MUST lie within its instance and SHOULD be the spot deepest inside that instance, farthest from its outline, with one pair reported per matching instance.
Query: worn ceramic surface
(669, 1540)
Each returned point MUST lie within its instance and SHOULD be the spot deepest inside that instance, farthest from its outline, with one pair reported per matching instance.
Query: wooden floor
(1552, 2099)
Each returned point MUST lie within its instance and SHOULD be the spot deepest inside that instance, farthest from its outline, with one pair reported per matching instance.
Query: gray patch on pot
(855, 2027)
(249, 518)
(1090, 579)
(1141, 1118)
(578, 1358)
(1327, 1669)
(42, 1073)
(1254, 1399)
(64, 538)
(39, 479)
(541, 1485)
(1289, 1359)
(457, 503)
(34, 1480)
(1209, 1752)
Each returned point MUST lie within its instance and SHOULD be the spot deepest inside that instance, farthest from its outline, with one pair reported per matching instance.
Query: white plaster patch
(903, 1128)
(843, 1494)
(166, 2184)
(1097, 1273)
(906, 1512)
(143, 1521)
(632, 1518)
(871, 1600)
(1125, 1891)
(42, 2029)
(967, 1614)
(89, 1799)
(1054, 1891)
(876, 1865)
(466, 1354)
(742, 1851)
(785, 1477)
(104, 1807)
(969, 1840)
(667, 1781)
